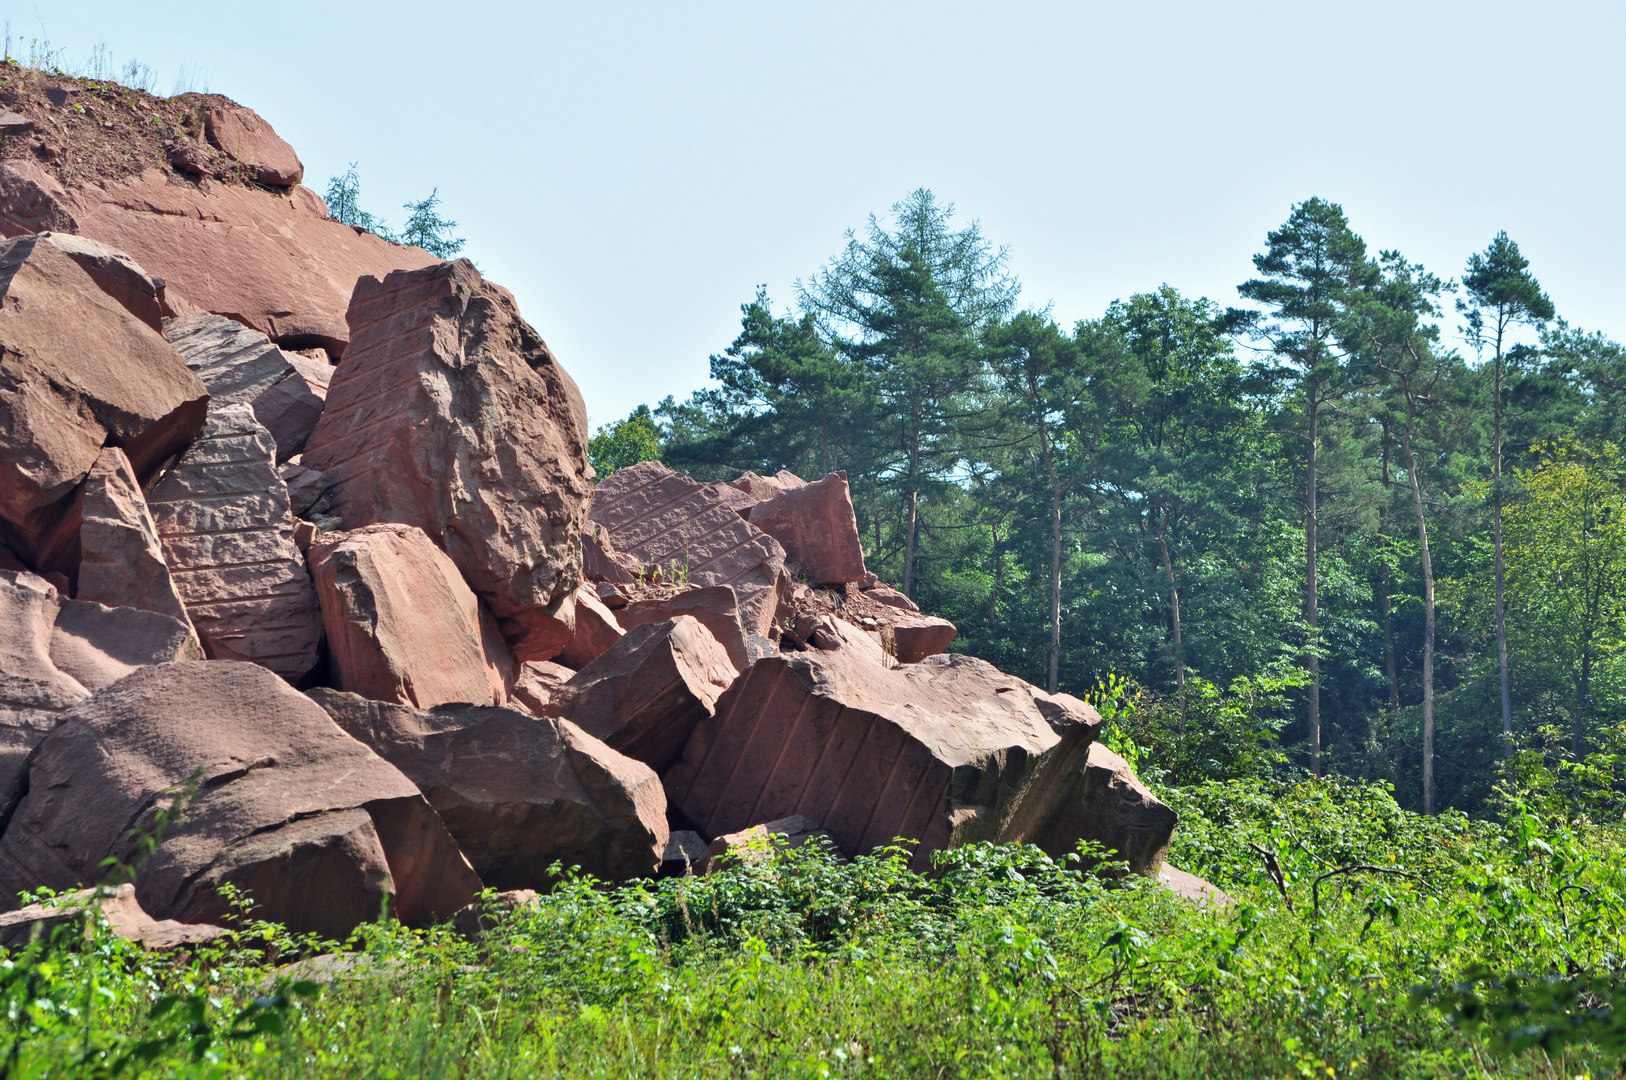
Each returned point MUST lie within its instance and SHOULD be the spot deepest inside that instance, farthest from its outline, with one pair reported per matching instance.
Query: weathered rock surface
(919, 636)
(249, 141)
(401, 624)
(594, 629)
(645, 695)
(449, 413)
(762, 488)
(124, 915)
(601, 564)
(1193, 888)
(815, 525)
(535, 684)
(313, 824)
(685, 854)
(241, 366)
(78, 372)
(1106, 803)
(116, 274)
(481, 917)
(715, 606)
(55, 652)
(666, 520)
(121, 561)
(516, 791)
(947, 751)
(228, 537)
(270, 260)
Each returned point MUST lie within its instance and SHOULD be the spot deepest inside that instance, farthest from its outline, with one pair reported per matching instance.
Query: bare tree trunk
(1496, 531)
(1174, 616)
(1312, 660)
(999, 581)
(1428, 605)
(1055, 561)
(914, 518)
(1385, 602)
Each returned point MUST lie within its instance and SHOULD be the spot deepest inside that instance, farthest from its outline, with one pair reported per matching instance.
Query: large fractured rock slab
(593, 630)
(816, 526)
(449, 413)
(121, 561)
(762, 488)
(55, 652)
(647, 693)
(536, 682)
(401, 624)
(228, 537)
(715, 606)
(249, 141)
(1107, 803)
(271, 260)
(518, 792)
(77, 372)
(313, 824)
(666, 520)
(116, 274)
(947, 751)
(239, 365)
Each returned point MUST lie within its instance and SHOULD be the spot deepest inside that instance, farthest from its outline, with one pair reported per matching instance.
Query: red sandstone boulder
(815, 525)
(228, 537)
(758, 843)
(762, 488)
(947, 751)
(535, 684)
(273, 261)
(449, 413)
(241, 366)
(716, 608)
(79, 372)
(118, 906)
(251, 144)
(595, 629)
(1192, 888)
(316, 827)
(1108, 804)
(646, 694)
(116, 274)
(916, 637)
(401, 624)
(121, 561)
(667, 521)
(518, 792)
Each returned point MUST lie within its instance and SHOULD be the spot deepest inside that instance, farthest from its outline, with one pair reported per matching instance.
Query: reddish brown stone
(600, 564)
(947, 751)
(886, 594)
(401, 624)
(1193, 888)
(121, 562)
(311, 823)
(228, 537)
(449, 413)
(916, 637)
(79, 373)
(1107, 804)
(815, 525)
(758, 843)
(715, 606)
(646, 694)
(535, 684)
(273, 261)
(595, 629)
(762, 488)
(518, 792)
(668, 521)
(249, 141)
(118, 906)
(116, 274)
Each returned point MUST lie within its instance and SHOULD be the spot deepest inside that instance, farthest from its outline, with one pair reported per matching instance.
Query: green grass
(1003, 964)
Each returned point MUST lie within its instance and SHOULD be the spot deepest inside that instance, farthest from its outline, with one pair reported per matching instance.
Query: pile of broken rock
(350, 617)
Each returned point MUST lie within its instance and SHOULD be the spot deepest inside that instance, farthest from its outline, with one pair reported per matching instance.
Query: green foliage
(625, 442)
(424, 228)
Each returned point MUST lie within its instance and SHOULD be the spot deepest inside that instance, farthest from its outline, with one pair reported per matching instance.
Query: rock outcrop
(518, 792)
(687, 532)
(79, 373)
(271, 260)
(251, 144)
(716, 608)
(645, 695)
(118, 906)
(815, 525)
(228, 537)
(241, 366)
(1107, 804)
(593, 629)
(121, 560)
(271, 796)
(946, 751)
(401, 624)
(449, 413)
(535, 684)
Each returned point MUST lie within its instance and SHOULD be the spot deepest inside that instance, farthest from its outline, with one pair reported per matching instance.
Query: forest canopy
(1309, 502)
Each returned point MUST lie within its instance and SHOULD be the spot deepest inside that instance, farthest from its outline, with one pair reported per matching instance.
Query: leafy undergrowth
(1458, 949)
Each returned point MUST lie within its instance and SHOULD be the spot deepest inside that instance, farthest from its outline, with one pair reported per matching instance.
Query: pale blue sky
(633, 171)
